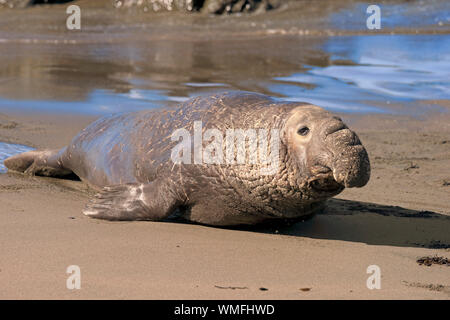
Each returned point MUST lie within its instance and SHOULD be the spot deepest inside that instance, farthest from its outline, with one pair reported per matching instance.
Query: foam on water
(9, 149)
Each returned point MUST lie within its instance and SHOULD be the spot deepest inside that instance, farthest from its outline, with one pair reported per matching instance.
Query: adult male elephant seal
(129, 158)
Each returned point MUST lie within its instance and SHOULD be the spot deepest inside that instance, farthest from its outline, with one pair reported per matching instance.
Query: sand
(403, 214)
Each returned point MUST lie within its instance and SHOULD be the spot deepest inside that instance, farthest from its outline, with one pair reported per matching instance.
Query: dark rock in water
(26, 3)
(32, 2)
(207, 6)
(234, 6)
(161, 5)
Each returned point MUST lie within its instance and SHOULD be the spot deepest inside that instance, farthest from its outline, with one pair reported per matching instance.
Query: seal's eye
(303, 131)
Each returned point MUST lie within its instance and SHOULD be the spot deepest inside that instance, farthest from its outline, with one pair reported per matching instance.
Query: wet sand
(402, 214)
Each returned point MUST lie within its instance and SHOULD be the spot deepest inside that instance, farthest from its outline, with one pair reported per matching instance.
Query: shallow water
(349, 74)
(129, 61)
(9, 149)
(367, 72)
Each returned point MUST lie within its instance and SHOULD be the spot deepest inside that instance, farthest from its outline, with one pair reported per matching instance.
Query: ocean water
(367, 73)
(9, 149)
(363, 73)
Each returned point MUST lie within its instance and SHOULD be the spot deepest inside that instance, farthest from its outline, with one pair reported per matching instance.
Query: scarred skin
(127, 157)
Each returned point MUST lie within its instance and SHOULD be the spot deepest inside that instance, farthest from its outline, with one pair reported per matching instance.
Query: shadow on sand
(344, 220)
(370, 223)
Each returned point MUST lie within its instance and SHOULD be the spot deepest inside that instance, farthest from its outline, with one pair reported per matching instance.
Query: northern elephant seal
(129, 158)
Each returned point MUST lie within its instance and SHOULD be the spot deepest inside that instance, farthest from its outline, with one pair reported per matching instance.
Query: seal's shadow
(344, 220)
(369, 223)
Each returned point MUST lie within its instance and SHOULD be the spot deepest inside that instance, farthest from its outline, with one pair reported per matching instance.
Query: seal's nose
(344, 154)
(350, 164)
(333, 126)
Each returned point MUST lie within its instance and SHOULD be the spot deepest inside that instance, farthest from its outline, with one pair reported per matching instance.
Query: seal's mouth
(323, 181)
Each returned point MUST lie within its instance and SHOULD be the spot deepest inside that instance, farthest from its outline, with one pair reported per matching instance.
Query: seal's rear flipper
(41, 162)
(132, 201)
(21, 162)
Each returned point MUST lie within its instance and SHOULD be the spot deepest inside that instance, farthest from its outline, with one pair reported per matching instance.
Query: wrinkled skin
(127, 157)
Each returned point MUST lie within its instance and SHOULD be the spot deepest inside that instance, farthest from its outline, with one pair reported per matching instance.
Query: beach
(403, 214)
(390, 86)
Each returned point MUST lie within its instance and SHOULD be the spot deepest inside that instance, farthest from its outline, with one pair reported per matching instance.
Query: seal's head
(325, 150)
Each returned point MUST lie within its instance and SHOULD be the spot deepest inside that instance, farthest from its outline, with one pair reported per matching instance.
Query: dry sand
(401, 215)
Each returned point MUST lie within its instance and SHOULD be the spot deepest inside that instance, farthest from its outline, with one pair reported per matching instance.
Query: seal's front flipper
(40, 162)
(132, 201)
